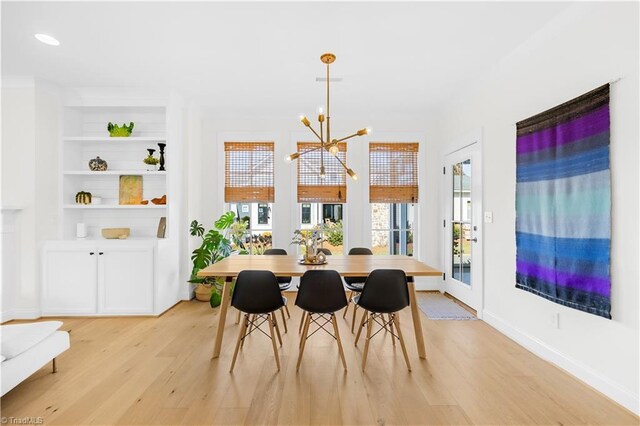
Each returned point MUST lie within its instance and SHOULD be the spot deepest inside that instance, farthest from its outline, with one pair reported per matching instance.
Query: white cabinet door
(125, 280)
(69, 281)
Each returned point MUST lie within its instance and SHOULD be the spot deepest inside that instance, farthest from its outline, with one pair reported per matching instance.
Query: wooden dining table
(289, 266)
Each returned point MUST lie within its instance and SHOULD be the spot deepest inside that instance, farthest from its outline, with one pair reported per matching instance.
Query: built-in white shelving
(115, 173)
(129, 139)
(149, 206)
(86, 137)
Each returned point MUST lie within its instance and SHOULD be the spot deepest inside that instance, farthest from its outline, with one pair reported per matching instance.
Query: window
(393, 172)
(393, 190)
(392, 228)
(248, 172)
(326, 218)
(313, 188)
(249, 191)
(252, 233)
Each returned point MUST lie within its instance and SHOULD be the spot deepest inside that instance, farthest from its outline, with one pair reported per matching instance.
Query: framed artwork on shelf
(130, 189)
(162, 227)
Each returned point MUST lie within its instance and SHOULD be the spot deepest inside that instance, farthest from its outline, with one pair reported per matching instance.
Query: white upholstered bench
(28, 347)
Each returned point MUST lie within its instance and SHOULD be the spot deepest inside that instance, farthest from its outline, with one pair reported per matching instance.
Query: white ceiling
(242, 58)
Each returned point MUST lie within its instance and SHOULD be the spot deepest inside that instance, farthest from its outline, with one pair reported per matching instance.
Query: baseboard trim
(602, 384)
(19, 314)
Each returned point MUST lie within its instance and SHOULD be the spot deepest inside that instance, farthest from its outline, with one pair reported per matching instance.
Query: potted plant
(309, 239)
(151, 161)
(215, 246)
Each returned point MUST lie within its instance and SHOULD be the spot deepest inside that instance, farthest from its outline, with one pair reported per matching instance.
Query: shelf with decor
(95, 163)
(115, 173)
(116, 206)
(109, 139)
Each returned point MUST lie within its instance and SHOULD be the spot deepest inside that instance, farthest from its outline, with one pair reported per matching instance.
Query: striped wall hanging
(563, 204)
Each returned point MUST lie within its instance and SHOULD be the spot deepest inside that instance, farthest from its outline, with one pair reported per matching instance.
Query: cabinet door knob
(101, 253)
(91, 253)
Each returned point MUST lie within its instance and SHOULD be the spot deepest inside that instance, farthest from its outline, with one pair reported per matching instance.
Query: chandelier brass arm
(327, 144)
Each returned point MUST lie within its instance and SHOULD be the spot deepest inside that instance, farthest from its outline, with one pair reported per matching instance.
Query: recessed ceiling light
(47, 39)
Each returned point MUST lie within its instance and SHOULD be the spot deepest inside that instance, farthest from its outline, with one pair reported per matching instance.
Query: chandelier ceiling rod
(328, 144)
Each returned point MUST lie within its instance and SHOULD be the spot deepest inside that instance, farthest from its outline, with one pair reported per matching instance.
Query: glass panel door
(461, 226)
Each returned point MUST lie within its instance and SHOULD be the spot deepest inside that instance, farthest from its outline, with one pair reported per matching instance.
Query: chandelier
(326, 143)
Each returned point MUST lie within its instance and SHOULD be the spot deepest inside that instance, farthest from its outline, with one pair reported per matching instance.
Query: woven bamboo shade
(248, 175)
(313, 189)
(393, 172)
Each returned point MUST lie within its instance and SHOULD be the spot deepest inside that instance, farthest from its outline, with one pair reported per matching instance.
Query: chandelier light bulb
(322, 173)
(333, 149)
(287, 158)
(352, 174)
(320, 110)
(369, 130)
(305, 120)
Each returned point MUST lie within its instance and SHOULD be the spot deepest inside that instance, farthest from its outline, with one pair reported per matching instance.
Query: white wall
(30, 115)
(285, 132)
(572, 55)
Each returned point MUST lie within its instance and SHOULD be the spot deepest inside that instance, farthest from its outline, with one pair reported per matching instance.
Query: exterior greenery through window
(252, 232)
(327, 219)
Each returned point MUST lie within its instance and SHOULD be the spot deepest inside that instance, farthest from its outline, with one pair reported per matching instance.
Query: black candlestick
(162, 145)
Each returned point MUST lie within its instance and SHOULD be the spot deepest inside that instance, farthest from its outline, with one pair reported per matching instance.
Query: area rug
(436, 306)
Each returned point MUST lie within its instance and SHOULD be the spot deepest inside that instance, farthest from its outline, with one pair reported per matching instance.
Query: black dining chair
(326, 252)
(257, 295)
(284, 282)
(384, 292)
(354, 284)
(320, 296)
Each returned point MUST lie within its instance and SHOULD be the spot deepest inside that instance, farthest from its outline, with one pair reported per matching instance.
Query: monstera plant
(214, 247)
(121, 132)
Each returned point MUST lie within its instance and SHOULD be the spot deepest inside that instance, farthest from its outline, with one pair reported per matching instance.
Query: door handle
(101, 253)
(91, 253)
(475, 240)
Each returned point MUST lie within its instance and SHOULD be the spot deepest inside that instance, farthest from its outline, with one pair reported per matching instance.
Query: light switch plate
(488, 217)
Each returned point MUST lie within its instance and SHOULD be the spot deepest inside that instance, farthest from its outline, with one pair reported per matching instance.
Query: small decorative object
(162, 145)
(159, 201)
(130, 189)
(98, 165)
(83, 197)
(321, 258)
(151, 161)
(81, 230)
(310, 240)
(145, 202)
(116, 131)
(115, 233)
(162, 227)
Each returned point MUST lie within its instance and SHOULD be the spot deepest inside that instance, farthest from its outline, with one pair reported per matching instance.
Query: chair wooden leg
(303, 340)
(337, 333)
(238, 318)
(404, 348)
(286, 308)
(353, 320)
(344, 315)
(393, 339)
(364, 314)
(302, 318)
(243, 329)
(54, 366)
(276, 326)
(284, 321)
(252, 319)
(271, 322)
(366, 343)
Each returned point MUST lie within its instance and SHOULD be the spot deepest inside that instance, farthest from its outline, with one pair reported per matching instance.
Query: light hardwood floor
(158, 371)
